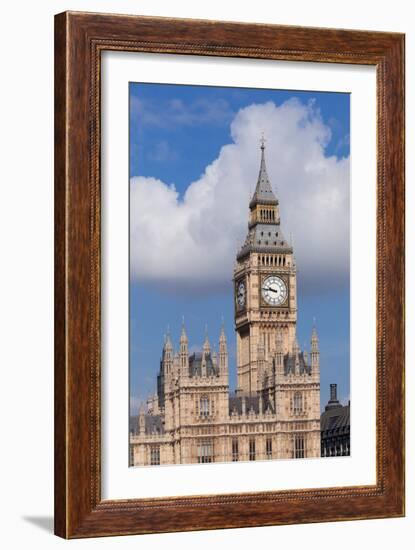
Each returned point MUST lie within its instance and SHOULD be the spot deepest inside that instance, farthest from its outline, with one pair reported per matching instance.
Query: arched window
(204, 406)
(298, 403)
(252, 449)
(299, 447)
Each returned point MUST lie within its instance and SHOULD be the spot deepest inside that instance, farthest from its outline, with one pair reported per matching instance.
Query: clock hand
(271, 289)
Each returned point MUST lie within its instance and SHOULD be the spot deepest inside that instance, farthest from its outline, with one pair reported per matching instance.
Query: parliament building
(275, 411)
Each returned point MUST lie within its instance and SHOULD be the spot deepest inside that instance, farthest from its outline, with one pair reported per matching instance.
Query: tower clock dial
(274, 290)
(241, 294)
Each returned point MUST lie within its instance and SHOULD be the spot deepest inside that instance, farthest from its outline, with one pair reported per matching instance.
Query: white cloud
(191, 243)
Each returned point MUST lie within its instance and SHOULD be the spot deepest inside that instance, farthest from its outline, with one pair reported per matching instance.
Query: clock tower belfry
(265, 288)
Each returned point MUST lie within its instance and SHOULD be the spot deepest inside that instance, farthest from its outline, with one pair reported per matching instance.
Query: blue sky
(176, 132)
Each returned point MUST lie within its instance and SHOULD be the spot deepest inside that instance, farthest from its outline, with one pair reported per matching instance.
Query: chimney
(333, 401)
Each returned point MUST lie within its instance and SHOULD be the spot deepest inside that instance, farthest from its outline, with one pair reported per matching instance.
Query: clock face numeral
(240, 294)
(274, 290)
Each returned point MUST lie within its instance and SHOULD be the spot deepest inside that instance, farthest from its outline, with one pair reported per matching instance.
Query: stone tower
(265, 287)
(275, 411)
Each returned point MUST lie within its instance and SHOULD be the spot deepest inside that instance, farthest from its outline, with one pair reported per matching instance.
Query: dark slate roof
(335, 420)
(195, 365)
(289, 364)
(263, 191)
(251, 402)
(265, 238)
(153, 423)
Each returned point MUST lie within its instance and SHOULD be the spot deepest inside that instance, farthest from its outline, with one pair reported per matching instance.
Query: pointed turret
(184, 351)
(206, 344)
(183, 335)
(168, 345)
(263, 191)
(315, 353)
(167, 361)
(223, 351)
(265, 233)
(205, 354)
(314, 340)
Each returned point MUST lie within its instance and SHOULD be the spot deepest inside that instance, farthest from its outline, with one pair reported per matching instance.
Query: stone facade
(275, 410)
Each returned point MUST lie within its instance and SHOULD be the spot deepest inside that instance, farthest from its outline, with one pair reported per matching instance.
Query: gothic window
(155, 455)
(252, 449)
(299, 446)
(205, 451)
(235, 450)
(298, 403)
(269, 448)
(204, 406)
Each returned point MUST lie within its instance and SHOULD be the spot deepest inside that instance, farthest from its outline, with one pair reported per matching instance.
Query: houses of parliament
(275, 410)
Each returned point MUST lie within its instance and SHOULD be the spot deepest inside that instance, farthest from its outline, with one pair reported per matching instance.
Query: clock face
(274, 290)
(241, 294)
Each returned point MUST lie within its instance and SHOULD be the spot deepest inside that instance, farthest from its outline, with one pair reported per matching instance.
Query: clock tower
(265, 288)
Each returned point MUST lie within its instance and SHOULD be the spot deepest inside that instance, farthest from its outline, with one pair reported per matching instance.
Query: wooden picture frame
(79, 40)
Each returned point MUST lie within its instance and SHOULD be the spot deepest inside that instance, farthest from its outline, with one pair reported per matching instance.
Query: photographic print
(223, 282)
(239, 274)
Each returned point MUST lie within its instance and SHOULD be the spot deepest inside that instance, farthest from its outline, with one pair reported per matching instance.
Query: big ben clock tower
(265, 287)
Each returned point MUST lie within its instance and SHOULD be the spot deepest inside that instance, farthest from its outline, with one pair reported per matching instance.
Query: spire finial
(168, 343)
(314, 337)
(222, 337)
(262, 141)
(263, 192)
(183, 335)
(206, 345)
